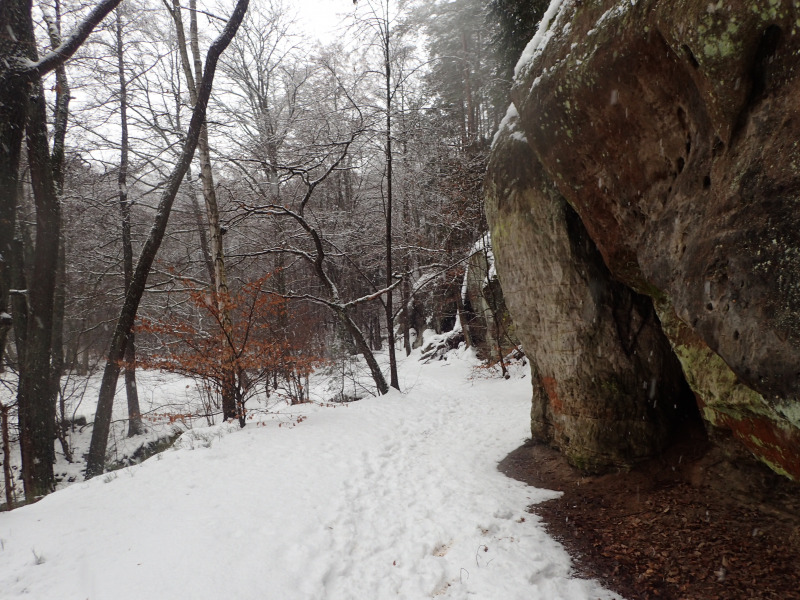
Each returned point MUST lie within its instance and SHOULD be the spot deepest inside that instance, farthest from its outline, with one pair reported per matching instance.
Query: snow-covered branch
(71, 43)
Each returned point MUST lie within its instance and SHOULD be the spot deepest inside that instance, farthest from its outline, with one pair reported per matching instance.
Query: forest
(253, 338)
(213, 191)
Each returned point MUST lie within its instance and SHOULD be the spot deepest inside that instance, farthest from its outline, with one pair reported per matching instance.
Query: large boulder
(671, 130)
(606, 383)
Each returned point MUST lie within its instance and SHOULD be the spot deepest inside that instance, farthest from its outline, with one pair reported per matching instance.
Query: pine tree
(516, 22)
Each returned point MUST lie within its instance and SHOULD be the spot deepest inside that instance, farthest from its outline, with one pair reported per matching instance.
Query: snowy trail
(393, 497)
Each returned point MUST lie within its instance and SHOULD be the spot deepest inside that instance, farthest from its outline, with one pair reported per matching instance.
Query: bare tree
(267, 77)
(135, 425)
(220, 278)
(60, 120)
(316, 258)
(379, 20)
(23, 108)
(96, 459)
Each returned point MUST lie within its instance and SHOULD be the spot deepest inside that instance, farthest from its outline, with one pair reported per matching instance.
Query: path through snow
(393, 497)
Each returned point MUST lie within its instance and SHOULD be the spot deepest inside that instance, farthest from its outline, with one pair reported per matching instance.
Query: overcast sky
(323, 17)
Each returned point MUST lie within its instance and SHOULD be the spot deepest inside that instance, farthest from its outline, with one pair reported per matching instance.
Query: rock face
(606, 383)
(670, 130)
(485, 315)
(435, 307)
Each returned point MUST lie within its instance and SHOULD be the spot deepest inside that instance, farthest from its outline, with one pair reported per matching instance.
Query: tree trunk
(395, 382)
(201, 231)
(97, 450)
(7, 477)
(220, 279)
(230, 407)
(19, 301)
(57, 350)
(60, 120)
(470, 109)
(21, 97)
(13, 91)
(84, 368)
(463, 318)
(363, 348)
(405, 298)
(135, 425)
(36, 406)
(19, 73)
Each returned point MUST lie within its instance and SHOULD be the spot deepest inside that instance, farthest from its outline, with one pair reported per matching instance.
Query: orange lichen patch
(776, 446)
(550, 388)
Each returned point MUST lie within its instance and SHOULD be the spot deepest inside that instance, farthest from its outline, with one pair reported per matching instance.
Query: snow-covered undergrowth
(390, 497)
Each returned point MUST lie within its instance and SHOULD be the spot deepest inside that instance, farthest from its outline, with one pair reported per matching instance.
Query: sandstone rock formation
(485, 316)
(665, 134)
(606, 383)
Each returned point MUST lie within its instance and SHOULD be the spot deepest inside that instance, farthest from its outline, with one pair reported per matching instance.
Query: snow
(615, 12)
(390, 497)
(484, 246)
(161, 397)
(542, 36)
(550, 27)
(509, 123)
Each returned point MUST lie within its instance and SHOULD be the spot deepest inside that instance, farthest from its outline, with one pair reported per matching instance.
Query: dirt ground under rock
(689, 525)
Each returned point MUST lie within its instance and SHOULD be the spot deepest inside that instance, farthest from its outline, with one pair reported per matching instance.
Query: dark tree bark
(36, 404)
(60, 120)
(102, 424)
(135, 425)
(405, 299)
(22, 108)
(385, 41)
(57, 350)
(19, 70)
(19, 301)
(13, 85)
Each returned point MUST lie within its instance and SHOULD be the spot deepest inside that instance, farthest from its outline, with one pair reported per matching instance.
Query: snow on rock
(390, 497)
(509, 123)
(542, 36)
(615, 12)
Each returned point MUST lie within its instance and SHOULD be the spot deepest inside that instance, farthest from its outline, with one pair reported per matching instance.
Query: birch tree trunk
(193, 72)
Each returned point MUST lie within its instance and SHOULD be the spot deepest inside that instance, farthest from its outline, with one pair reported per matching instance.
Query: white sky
(324, 18)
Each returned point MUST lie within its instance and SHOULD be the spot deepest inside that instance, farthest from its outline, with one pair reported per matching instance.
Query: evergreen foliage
(516, 24)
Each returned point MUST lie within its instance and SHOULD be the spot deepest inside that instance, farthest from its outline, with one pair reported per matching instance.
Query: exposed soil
(689, 525)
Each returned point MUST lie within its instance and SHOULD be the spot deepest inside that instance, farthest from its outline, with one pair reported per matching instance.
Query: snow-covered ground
(390, 497)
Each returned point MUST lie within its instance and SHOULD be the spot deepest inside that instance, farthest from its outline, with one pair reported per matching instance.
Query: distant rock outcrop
(655, 164)
(485, 317)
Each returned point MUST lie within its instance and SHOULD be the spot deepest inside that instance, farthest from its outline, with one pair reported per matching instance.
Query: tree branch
(67, 48)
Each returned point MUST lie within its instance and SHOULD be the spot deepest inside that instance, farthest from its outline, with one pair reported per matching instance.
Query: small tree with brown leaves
(236, 341)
